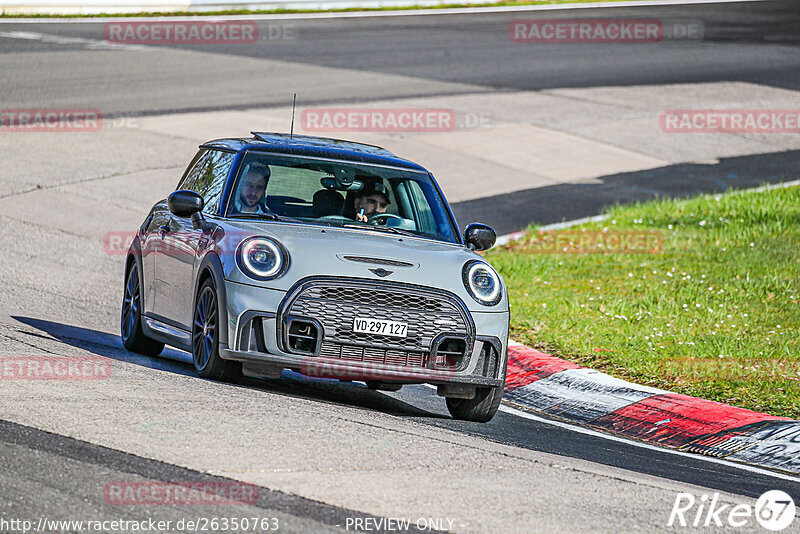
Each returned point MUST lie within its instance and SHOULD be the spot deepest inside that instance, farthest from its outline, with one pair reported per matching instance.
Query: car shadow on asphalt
(515, 211)
(292, 384)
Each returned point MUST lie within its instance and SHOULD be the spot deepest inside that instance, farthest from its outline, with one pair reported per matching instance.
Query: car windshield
(340, 194)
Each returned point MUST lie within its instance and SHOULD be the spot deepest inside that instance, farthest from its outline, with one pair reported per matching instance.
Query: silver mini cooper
(331, 258)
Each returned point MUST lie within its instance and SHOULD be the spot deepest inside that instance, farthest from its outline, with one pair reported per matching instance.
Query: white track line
(90, 44)
(373, 14)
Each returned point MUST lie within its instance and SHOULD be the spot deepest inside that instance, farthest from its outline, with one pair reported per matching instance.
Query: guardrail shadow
(180, 362)
(515, 211)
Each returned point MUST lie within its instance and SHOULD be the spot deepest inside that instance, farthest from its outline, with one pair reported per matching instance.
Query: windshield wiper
(390, 229)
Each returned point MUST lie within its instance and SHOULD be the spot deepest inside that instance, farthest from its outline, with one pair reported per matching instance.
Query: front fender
(212, 265)
(135, 250)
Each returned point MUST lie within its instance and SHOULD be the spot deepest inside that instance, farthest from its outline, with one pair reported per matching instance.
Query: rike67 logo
(774, 510)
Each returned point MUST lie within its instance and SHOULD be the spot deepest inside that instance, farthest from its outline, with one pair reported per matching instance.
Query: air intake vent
(303, 336)
(378, 261)
(449, 352)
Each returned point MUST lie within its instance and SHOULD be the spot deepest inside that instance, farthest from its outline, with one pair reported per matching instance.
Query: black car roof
(322, 147)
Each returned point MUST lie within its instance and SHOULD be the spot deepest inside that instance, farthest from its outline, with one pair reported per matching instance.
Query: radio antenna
(294, 101)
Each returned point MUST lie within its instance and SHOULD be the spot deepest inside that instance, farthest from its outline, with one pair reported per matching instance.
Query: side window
(426, 222)
(211, 182)
(207, 177)
(194, 169)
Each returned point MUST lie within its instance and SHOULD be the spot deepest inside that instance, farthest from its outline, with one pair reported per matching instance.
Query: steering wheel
(375, 218)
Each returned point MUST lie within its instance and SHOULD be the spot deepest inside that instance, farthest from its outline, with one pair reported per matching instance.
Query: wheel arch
(211, 268)
(134, 256)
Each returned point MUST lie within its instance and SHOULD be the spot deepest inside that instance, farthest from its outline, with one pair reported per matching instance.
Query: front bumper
(349, 370)
(257, 324)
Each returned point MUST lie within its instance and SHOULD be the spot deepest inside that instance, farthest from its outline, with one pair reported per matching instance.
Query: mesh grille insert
(336, 304)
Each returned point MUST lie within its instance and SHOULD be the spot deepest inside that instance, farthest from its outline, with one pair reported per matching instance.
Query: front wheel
(480, 408)
(205, 339)
(131, 318)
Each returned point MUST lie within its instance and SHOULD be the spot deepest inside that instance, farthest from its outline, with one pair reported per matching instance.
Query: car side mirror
(187, 204)
(479, 236)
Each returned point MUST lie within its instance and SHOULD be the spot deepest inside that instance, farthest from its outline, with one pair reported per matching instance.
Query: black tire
(131, 332)
(205, 338)
(479, 409)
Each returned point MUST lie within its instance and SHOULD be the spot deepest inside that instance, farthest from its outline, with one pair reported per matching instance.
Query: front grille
(335, 303)
(374, 297)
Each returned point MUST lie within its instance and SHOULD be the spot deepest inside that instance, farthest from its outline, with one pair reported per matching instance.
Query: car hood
(343, 252)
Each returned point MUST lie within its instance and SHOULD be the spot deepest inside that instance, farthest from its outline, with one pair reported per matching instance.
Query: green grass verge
(291, 11)
(715, 314)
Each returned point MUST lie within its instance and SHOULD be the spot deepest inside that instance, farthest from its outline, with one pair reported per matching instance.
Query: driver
(371, 200)
(251, 190)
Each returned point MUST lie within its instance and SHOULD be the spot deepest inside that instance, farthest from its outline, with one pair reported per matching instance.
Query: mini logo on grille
(381, 272)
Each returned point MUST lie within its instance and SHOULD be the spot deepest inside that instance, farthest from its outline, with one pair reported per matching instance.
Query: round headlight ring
(482, 283)
(261, 258)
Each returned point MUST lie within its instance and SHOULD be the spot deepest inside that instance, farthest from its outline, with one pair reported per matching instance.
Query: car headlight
(482, 283)
(261, 258)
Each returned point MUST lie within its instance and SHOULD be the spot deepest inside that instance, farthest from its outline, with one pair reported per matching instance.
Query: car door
(176, 264)
(150, 243)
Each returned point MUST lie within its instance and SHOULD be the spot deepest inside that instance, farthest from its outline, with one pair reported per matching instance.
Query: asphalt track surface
(756, 42)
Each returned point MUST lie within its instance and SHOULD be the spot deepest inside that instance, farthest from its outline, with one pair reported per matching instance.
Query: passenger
(371, 200)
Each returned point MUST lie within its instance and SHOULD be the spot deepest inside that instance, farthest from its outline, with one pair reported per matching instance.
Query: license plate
(381, 327)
